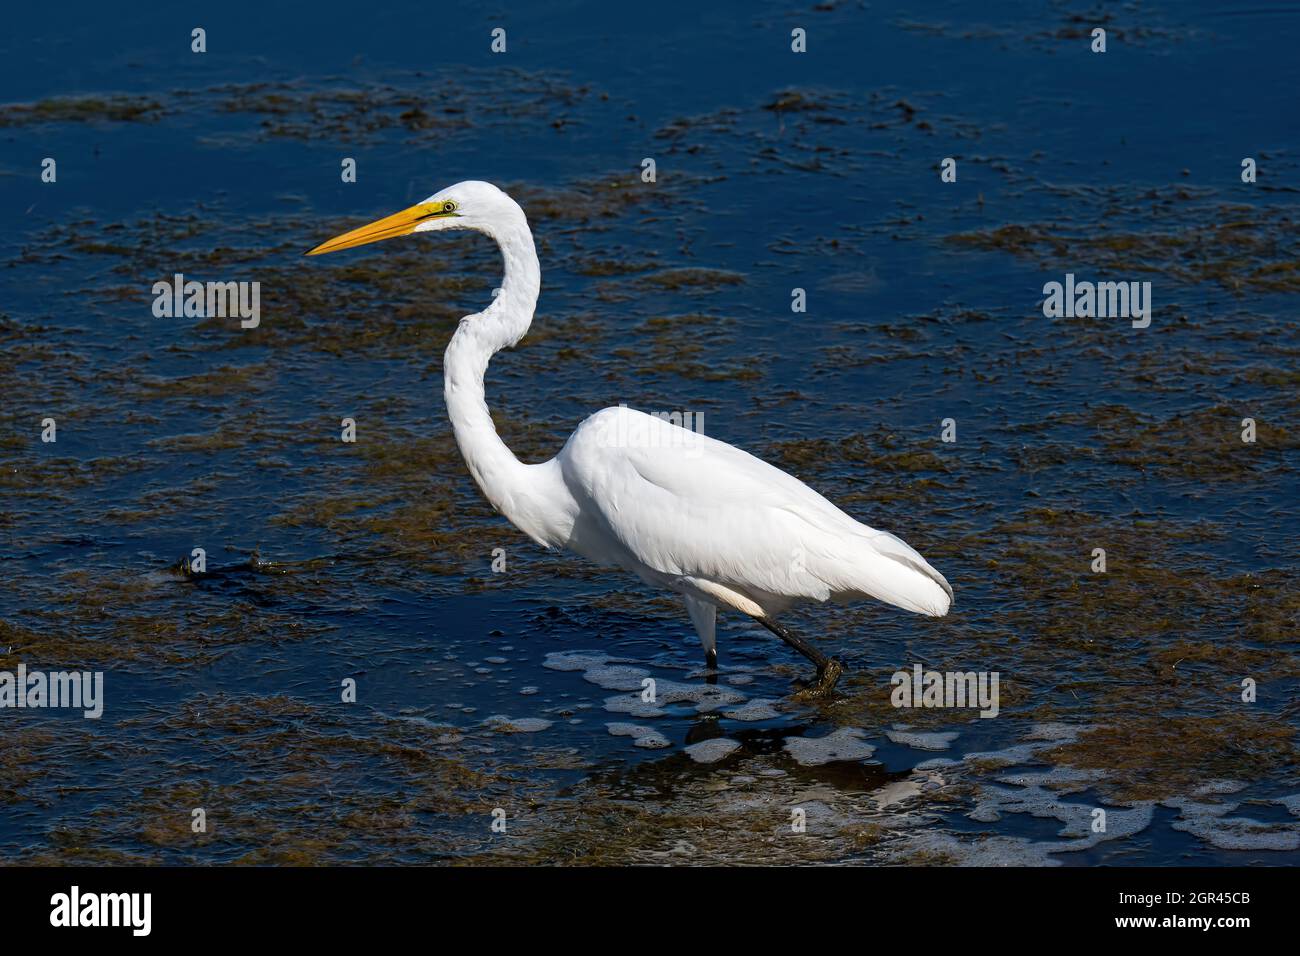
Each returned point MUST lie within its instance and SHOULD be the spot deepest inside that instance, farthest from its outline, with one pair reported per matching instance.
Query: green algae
(1257, 253)
(120, 108)
(1150, 758)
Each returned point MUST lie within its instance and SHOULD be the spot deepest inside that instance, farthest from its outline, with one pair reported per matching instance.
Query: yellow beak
(398, 224)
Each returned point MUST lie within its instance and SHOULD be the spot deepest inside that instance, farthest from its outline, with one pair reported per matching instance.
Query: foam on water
(921, 740)
(1040, 737)
(843, 744)
(1292, 804)
(611, 674)
(1033, 797)
(711, 751)
(706, 698)
(518, 725)
(989, 851)
(646, 737)
(760, 708)
(1210, 822)
(896, 792)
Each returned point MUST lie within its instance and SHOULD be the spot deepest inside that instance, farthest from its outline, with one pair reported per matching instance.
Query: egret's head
(468, 205)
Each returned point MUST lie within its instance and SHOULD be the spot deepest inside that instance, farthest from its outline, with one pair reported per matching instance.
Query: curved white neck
(512, 487)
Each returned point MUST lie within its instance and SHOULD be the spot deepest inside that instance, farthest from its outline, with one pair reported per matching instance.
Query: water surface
(479, 690)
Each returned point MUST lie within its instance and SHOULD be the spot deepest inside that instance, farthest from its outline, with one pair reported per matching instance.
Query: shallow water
(479, 691)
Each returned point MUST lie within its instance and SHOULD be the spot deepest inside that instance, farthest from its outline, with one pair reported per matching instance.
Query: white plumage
(696, 515)
(680, 510)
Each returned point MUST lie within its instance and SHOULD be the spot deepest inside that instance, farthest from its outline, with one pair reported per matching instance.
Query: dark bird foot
(824, 685)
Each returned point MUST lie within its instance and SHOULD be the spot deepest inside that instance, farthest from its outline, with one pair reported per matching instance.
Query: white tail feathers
(889, 570)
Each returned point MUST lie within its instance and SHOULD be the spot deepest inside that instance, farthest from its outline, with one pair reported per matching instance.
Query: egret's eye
(449, 206)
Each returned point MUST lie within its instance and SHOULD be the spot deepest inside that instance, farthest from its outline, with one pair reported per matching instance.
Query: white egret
(681, 511)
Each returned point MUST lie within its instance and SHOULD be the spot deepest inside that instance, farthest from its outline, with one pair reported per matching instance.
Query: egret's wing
(686, 505)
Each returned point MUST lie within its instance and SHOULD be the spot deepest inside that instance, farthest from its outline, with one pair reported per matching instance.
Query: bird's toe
(824, 685)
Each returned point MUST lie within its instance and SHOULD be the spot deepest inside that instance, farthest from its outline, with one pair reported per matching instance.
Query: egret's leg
(798, 643)
(705, 616)
(828, 669)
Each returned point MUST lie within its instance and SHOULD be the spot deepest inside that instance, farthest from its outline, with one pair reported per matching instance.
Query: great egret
(680, 510)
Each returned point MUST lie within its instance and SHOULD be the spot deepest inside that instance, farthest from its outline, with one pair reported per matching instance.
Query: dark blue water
(775, 170)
